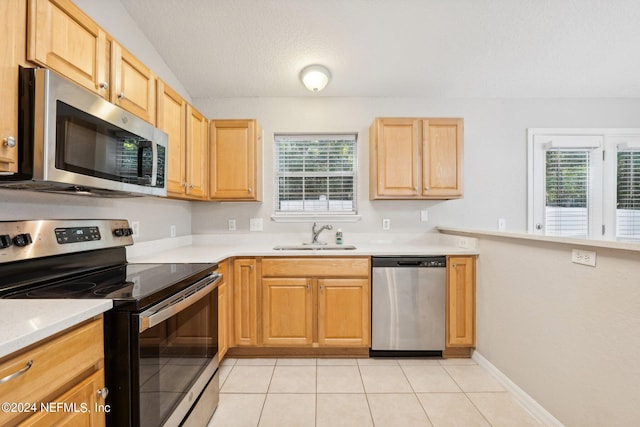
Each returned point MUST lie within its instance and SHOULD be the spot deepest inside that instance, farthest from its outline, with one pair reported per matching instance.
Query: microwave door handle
(141, 148)
(151, 317)
(154, 164)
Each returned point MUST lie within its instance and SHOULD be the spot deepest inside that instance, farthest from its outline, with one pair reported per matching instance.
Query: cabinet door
(134, 85)
(171, 117)
(245, 301)
(461, 302)
(89, 408)
(12, 51)
(236, 159)
(343, 312)
(287, 311)
(442, 159)
(223, 320)
(61, 37)
(395, 158)
(197, 127)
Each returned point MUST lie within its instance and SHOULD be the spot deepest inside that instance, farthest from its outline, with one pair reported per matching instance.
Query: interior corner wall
(566, 334)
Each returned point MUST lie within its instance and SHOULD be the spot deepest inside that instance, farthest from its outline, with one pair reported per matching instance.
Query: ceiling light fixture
(315, 77)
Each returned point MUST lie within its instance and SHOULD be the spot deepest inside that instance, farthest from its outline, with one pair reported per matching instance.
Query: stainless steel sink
(314, 247)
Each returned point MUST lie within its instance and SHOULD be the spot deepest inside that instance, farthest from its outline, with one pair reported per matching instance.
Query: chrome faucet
(315, 232)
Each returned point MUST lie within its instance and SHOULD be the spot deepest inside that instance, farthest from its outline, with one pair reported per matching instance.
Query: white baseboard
(521, 396)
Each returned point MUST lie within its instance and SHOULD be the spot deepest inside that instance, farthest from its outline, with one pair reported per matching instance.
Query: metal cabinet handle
(426, 188)
(415, 189)
(18, 373)
(9, 142)
(121, 95)
(104, 85)
(250, 190)
(102, 393)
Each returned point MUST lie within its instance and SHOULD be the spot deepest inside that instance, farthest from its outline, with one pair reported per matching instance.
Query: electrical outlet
(424, 215)
(172, 231)
(232, 224)
(463, 242)
(502, 224)
(135, 226)
(583, 257)
(386, 224)
(255, 224)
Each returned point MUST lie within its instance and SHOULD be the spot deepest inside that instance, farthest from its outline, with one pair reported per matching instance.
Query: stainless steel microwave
(73, 141)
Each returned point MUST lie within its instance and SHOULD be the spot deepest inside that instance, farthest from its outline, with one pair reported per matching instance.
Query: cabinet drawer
(312, 267)
(56, 365)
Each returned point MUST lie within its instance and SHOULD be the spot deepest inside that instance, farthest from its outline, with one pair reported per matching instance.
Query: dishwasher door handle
(409, 263)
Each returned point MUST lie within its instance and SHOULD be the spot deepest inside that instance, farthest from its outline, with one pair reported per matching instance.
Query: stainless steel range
(161, 337)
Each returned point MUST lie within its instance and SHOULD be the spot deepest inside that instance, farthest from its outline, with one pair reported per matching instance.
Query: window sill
(316, 218)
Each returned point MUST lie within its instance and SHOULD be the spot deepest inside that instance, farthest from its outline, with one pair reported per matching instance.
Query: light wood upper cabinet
(235, 160)
(187, 128)
(245, 301)
(171, 117)
(343, 312)
(412, 158)
(12, 51)
(197, 150)
(287, 311)
(461, 301)
(134, 85)
(63, 38)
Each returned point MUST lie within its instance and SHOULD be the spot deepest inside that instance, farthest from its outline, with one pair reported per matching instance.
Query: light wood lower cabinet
(343, 312)
(223, 312)
(320, 302)
(245, 301)
(65, 368)
(461, 301)
(287, 311)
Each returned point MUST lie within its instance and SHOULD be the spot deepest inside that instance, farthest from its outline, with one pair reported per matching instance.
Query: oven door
(177, 354)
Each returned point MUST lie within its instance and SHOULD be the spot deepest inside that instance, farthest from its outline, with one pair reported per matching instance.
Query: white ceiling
(399, 48)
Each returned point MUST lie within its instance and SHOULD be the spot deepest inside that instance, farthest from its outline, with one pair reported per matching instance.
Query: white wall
(155, 215)
(565, 333)
(495, 153)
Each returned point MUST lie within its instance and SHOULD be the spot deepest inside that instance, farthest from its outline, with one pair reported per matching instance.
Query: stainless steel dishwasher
(408, 306)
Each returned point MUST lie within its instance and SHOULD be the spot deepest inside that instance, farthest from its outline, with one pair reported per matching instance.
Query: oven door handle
(164, 310)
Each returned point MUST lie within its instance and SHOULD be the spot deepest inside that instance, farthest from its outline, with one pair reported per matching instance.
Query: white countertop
(215, 248)
(24, 322)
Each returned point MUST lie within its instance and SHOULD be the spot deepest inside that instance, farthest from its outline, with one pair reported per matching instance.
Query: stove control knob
(5, 241)
(21, 240)
(120, 232)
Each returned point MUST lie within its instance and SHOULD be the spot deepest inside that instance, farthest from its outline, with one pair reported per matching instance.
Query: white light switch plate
(255, 224)
(232, 225)
(424, 215)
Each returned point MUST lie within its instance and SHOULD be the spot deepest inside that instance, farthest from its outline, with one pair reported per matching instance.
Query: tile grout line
(466, 396)
(366, 395)
(266, 394)
(415, 394)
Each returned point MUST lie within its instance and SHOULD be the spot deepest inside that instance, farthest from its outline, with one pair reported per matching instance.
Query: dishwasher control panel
(409, 261)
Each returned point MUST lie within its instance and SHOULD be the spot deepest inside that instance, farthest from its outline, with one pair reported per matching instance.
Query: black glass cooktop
(129, 285)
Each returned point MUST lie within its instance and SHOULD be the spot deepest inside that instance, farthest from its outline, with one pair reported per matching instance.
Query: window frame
(301, 216)
(603, 176)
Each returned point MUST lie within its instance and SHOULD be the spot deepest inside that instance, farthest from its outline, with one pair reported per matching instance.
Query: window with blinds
(315, 173)
(567, 192)
(628, 195)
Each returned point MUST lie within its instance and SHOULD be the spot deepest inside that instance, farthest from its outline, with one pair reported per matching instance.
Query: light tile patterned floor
(363, 392)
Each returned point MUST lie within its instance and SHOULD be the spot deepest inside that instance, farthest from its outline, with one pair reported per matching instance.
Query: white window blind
(315, 173)
(628, 195)
(567, 192)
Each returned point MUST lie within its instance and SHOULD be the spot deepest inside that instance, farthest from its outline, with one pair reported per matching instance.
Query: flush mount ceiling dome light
(315, 77)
